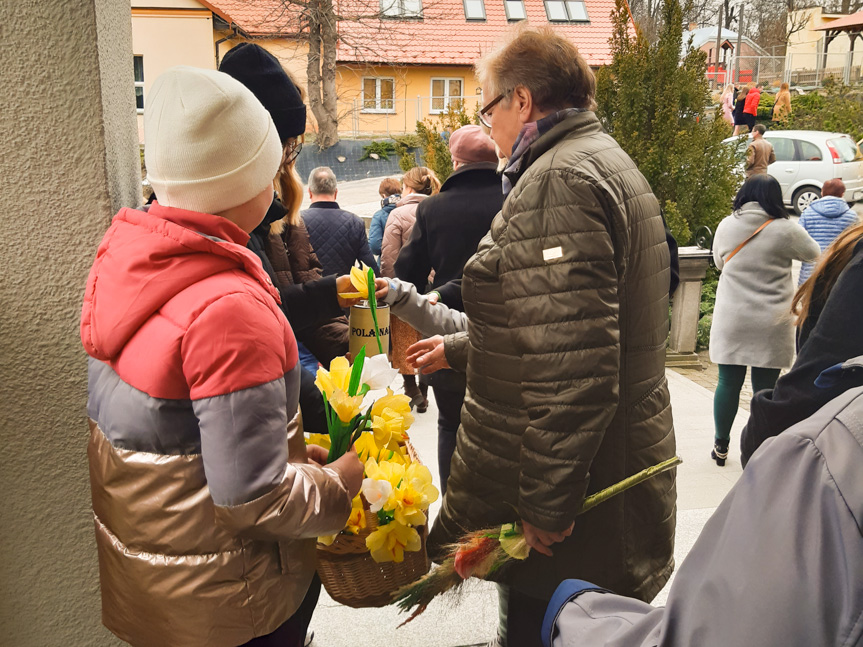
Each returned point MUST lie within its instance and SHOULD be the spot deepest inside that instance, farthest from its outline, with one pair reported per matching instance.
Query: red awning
(853, 22)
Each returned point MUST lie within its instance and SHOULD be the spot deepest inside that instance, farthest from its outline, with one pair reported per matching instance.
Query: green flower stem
(373, 305)
(595, 499)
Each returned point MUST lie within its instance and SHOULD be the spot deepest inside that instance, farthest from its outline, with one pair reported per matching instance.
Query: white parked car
(806, 159)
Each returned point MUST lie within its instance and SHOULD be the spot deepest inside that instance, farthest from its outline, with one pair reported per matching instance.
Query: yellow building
(812, 53)
(410, 66)
(167, 33)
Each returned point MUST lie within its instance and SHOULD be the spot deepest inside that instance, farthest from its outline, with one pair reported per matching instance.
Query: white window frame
(569, 16)
(506, 4)
(138, 84)
(447, 97)
(378, 99)
(474, 19)
(398, 10)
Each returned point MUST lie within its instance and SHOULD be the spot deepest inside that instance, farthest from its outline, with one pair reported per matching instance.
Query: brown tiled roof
(854, 22)
(258, 17)
(442, 37)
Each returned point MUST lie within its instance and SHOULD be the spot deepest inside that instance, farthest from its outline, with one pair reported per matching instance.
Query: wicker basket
(350, 575)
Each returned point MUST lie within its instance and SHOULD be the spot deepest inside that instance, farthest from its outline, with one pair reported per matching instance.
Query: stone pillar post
(69, 160)
(686, 306)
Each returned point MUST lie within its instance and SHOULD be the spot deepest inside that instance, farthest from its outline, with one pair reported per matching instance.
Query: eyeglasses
(484, 117)
(292, 151)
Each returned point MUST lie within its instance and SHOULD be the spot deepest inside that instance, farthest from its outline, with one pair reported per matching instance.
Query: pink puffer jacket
(400, 224)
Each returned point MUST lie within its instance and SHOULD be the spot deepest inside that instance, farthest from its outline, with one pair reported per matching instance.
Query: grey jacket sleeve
(777, 565)
(243, 406)
(601, 618)
(414, 308)
(803, 246)
(261, 491)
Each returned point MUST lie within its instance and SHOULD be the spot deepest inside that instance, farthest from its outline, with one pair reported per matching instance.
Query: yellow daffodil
(345, 406)
(388, 543)
(389, 429)
(360, 281)
(327, 540)
(385, 471)
(357, 519)
(400, 404)
(322, 440)
(414, 493)
(366, 447)
(338, 378)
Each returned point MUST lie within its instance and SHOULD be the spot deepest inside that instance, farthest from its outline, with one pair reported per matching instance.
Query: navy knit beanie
(261, 72)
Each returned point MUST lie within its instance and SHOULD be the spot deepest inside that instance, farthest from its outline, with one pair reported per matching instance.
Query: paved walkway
(708, 377)
(471, 619)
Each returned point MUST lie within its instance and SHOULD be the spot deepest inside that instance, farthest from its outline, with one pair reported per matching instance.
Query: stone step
(682, 360)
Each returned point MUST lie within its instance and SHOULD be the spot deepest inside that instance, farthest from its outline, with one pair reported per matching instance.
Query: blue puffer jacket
(379, 222)
(824, 220)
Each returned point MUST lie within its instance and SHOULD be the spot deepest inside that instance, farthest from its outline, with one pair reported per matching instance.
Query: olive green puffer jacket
(567, 301)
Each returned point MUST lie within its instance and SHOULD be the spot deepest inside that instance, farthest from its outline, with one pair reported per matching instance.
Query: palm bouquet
(483, 552)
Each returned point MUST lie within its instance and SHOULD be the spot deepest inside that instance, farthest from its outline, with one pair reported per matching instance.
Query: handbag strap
(743, 244)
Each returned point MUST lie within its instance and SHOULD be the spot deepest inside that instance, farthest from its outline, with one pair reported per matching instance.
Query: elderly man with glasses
(567, 300)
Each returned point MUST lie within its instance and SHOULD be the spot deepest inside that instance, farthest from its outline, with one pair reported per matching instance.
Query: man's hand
(427, 355)
(344, 286)
(317, 454)
(433, 298)
(540, 540)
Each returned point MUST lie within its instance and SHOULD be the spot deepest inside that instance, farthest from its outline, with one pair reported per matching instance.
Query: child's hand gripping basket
(353, 578)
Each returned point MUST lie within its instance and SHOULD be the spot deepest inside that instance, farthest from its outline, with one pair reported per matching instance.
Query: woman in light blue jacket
(825, 219)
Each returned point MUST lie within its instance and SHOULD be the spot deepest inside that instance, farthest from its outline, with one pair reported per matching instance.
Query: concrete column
(686, 304)
(69, 160)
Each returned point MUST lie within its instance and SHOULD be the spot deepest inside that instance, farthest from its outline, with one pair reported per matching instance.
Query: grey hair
(322, 181)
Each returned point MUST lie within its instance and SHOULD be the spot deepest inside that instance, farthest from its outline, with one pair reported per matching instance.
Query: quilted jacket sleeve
(560, 286)
(234, 359)
(455, 349)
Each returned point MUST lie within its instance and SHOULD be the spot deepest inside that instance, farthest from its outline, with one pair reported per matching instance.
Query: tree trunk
(322, 78)
(330, 43)
(730, 15)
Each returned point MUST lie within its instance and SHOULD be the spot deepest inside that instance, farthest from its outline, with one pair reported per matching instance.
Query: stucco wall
(68, 159)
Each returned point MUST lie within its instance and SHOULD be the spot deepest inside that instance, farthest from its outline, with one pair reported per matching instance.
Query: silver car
(806, 159)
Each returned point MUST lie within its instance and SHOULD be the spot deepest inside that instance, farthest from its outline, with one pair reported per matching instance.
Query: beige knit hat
(209, 144)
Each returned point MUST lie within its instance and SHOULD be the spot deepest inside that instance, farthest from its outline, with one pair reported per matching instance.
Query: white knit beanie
(209, 144)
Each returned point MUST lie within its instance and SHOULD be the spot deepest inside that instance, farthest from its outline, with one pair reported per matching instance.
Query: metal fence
(812, 69)
(802, 70)
(368, 118)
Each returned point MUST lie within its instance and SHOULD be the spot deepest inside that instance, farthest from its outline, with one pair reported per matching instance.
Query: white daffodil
(377, 493)
(378, 373)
